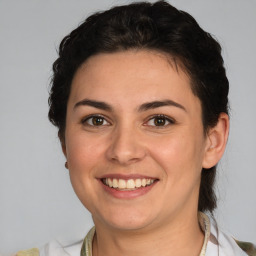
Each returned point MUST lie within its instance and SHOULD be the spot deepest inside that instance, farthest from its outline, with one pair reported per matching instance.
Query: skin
(162, 221)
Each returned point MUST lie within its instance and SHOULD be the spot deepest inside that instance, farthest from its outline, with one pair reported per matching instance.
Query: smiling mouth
(130, 184)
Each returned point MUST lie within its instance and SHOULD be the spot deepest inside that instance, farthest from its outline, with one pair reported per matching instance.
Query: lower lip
(127, 194)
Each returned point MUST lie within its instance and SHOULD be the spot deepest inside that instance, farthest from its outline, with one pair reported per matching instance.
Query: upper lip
(127, 176)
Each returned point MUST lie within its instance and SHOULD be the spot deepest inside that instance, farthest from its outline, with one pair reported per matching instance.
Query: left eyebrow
(158, 104)
(94, 103)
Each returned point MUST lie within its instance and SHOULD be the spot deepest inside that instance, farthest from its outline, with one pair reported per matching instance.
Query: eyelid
(167, 118)
(85, 119)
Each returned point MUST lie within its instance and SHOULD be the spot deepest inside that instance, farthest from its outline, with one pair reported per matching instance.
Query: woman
(140, 97)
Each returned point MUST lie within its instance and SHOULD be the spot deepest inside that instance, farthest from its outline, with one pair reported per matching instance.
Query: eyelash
(88, 121)
(163, 117)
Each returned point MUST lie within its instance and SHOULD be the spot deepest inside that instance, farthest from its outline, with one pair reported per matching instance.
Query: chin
(129, 225)
(126, 220)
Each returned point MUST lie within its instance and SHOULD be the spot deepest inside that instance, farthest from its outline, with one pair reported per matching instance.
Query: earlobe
(216, 142)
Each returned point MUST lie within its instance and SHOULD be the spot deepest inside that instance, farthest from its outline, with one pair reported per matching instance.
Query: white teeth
(127, 184)
(138, 183)
(115, 183)
(109, 183)
(130, 184)
(121, 184)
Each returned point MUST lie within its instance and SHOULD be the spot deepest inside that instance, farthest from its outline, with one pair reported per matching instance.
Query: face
(134, 140)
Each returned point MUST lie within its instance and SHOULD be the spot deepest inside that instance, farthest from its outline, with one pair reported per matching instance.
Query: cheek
(179, 154)
(83, 156)
(82, 152)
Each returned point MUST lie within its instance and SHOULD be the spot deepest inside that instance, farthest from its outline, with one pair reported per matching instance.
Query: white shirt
(218, 244)
(222, 244)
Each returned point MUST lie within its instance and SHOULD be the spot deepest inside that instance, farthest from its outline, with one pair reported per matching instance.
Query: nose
(126, 146)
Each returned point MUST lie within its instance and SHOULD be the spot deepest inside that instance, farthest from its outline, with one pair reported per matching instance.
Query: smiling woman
(154, 139)
(140, 97)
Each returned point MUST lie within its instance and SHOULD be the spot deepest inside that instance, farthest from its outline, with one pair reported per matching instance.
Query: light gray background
(37, 203)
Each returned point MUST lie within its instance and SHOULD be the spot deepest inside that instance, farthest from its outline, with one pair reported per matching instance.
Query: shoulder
(223, 244)
(54, 248)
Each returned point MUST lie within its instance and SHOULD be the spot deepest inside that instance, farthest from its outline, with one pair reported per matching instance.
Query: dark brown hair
(155, 26)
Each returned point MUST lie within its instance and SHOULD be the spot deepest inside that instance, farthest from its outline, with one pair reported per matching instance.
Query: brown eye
(95, 121)
(159, 121)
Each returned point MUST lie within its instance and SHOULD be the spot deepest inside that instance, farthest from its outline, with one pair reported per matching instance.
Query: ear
(63, 147)
(216, 142)
(63, 144)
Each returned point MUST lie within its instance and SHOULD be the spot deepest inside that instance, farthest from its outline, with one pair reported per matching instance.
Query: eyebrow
(95, 104)
(144, 107)
(158, 104)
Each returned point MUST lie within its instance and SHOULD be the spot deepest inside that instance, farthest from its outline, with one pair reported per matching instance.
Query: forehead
(131, 76)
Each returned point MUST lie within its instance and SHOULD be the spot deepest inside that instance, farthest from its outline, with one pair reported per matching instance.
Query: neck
(179, 237)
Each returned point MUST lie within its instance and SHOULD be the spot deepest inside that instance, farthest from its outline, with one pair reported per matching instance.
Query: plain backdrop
(37, 203)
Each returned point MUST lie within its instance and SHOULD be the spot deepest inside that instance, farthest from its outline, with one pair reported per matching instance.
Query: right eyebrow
(94, 103)
(158, 104)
